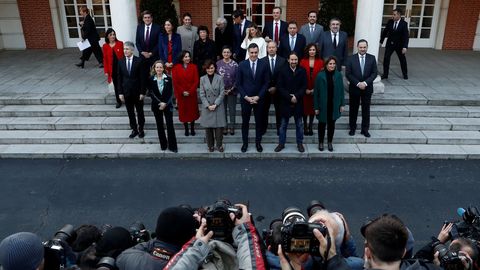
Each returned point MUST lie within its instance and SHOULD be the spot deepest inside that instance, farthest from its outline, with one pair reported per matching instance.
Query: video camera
(469, 227)
(56, 256)
(294, 233)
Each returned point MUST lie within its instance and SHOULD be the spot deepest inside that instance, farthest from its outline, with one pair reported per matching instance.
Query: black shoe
(100, 65)
(187, 133)
(174, 150)
(163, 148)
(279, 148)
(118, 105)
(81, 64)
(405, 77)
(330, 147)
(244, 148)
(232, 131)
(141, 134)
(351, 132)
(300, 148)
(192, 132)
(320, 147)
(259, 147)
(384, 77)
(365, 133)
(133, 134)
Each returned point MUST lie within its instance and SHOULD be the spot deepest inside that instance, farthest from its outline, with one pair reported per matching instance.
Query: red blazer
(186, 80)
(317, 67)
(108, 57)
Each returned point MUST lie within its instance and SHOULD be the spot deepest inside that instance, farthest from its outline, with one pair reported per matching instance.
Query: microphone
(461, 211)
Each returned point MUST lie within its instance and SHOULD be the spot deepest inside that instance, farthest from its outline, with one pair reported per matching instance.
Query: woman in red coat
(185, 83)
(313, 64)
(112, 53)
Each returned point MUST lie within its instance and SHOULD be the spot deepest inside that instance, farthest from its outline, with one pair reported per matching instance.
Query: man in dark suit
(292, 42)
(312, 30)
(276, 29)
(335, 42)
(276, 63)
(252, 82)
(292, 83)
(361, 72)
(131, 88)
(396, 32)
(240, 25)
(89, 31)
(148, 34)
(223, 36)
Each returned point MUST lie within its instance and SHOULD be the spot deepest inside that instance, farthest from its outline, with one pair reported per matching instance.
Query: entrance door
(421, 16)
(257, 11)
(99, 10)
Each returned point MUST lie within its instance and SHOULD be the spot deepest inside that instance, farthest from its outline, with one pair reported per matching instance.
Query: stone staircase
(67, 125)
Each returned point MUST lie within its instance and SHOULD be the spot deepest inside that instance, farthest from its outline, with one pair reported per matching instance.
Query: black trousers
(258, 114)
(97, 51)
(171, 142)
(357, 96)
(330, 125)
(133, 103)
(269, 99)
(114, 80)
(386, 60)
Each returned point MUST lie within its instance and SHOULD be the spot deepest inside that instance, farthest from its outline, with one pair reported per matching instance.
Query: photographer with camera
(460, 253)
(386, 244)
(23, 250)
(248, 252)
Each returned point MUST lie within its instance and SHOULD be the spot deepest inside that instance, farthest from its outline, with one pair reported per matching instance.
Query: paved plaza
(50, 108)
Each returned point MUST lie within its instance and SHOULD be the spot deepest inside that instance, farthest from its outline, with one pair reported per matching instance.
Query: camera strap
(325, 255)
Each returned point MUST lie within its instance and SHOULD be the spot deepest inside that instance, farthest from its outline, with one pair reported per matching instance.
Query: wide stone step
(392, 98)
(405, 151)
(341, 136)
(110, 110)
(95, 123)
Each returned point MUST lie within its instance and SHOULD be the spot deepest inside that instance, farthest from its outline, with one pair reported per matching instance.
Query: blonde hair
(152, 69)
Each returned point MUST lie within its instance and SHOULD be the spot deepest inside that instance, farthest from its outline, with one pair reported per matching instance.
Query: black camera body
(298, 237)
(139, 233)
(448, 259)
(55, 253)
(219, 221)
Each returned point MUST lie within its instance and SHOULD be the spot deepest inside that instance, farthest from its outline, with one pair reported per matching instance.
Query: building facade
(53, 24)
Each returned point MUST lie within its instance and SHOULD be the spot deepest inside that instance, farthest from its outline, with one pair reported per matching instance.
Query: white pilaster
(442, 24)
(56, 24)
(368, 26)
(476, 42)
(124, 19)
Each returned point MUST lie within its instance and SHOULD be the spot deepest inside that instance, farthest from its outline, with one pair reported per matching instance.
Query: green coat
(320, 95)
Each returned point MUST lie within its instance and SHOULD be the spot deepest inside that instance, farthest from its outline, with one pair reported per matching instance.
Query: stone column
(124, 19)
(368, 26)
(476, 42)
(56, 24)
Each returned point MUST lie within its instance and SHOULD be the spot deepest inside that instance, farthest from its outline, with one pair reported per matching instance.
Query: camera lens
(65, 232)
(292, 214)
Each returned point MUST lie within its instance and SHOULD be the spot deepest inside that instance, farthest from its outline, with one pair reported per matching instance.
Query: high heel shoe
(320, 146)
(80, 64)
(330, 147)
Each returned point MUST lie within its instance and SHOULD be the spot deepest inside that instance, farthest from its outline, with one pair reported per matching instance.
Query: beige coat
(212, 93)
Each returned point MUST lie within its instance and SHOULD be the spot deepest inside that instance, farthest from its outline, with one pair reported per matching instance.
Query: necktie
(362, 63)
(335, 40)
(312, 29)
(147, 38)
(276, 33)
(395, 27)
(129, 65)
(253, 69)
(292, 43)
(272, 64)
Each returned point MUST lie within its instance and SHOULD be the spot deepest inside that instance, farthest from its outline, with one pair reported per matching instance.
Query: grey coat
(317, 34)
(212, 93)
(188, 36)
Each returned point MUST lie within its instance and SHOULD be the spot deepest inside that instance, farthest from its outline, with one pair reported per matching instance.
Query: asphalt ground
(43, 195)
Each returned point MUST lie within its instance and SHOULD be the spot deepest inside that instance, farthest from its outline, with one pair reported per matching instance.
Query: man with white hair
(223, 36)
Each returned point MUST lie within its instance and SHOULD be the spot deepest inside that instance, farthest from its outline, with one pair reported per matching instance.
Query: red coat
(108, 57)
(186, 80)
(311, 76)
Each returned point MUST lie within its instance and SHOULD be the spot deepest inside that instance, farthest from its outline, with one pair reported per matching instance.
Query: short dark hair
(186, 14)
(238, 13)
(109, 31)
(293, 22)
(328, 59)
(182, 54)
(386, 237)
(252, 46)
(307, 48)
(277, 7)
(203, 28)
(362, 40)
(147, 12)
(208, 63)
(312, 11)
(399, 10)
(335, 19)
(227, 47)
(292, 53)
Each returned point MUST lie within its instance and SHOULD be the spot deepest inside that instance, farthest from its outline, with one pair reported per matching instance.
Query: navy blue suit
(300, 44)
(238, 37)
(275, 97)
(341, 52)
(249, 85)
(354, 76)
(163, 47)
(397, 39)
(269, 32)
(151, 46)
